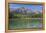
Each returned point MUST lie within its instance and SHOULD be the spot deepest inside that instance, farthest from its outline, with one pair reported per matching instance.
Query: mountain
(24, 10)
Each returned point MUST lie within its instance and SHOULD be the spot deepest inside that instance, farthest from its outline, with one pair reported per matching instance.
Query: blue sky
(33, 7)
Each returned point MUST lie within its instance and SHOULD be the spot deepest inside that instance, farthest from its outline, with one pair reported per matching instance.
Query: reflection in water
(25, 23)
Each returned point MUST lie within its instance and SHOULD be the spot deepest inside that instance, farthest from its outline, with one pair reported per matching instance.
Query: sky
(30, 6)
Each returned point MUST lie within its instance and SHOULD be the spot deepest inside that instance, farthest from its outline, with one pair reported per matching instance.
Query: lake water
(25, 23)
